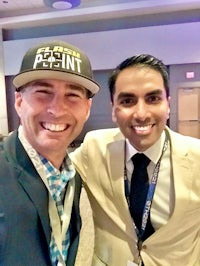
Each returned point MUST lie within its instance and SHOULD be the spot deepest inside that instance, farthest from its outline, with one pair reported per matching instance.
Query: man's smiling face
(140, 105)
(52, 113)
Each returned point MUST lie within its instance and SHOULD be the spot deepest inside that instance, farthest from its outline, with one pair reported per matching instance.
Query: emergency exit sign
(190, 75)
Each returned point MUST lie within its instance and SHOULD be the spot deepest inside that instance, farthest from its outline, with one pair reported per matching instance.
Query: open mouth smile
(54, 127)
(142, 129)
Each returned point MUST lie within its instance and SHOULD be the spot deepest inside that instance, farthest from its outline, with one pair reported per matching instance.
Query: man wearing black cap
(39, 194)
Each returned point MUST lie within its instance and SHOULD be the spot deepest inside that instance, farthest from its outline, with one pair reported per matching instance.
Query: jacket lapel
(115, 160)
(37, 191)
(181, 170)
(29, 179)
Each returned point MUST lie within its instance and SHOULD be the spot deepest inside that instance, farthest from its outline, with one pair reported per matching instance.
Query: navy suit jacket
(24, 220)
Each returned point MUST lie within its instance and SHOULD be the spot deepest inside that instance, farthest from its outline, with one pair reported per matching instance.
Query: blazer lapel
(29, 179)
(115, 161)
(183, 182)
(181, 170)
(38, 193)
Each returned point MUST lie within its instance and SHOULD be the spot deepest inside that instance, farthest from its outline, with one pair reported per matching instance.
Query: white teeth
(54, 127)
(142, 128)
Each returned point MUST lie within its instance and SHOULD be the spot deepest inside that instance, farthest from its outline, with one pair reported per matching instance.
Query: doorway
(189, 111)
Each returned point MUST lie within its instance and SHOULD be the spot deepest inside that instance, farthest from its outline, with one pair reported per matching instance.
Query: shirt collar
(153, 153)
(67, 167)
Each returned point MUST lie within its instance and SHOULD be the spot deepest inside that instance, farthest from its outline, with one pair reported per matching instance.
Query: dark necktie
(139, 189)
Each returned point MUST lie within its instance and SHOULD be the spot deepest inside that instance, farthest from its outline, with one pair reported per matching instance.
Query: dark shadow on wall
(13, 119)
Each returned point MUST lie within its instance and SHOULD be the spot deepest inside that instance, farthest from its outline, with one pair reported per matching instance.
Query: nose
(57, 107)
(141, 110)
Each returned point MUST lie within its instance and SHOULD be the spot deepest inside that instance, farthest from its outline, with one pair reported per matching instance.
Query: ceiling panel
(18, 15)
(20, 4)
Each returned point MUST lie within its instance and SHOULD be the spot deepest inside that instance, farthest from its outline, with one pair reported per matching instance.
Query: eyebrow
(78, 88)
(49, 85)
(41, 83)
(124, 95)
(155, 92)
(128, 94)
(33, 83)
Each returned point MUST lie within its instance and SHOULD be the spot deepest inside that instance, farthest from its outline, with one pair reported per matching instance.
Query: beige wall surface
(189, 111)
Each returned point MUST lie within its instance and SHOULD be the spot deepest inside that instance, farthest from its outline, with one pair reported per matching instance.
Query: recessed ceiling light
(62, 4)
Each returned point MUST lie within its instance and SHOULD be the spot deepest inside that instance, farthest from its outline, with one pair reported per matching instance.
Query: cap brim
(29, 76)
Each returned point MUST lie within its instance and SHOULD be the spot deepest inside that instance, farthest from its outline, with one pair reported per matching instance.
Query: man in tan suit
(140, 100)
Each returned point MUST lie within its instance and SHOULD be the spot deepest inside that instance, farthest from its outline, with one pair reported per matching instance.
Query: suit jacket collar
(115, 160)
(29, 179)
(181, 165)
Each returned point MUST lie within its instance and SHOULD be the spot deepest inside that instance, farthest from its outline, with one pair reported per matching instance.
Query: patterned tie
(139, 189)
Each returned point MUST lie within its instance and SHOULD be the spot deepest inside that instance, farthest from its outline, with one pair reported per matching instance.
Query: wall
(178, 80)
(3, 102)
(174, 44)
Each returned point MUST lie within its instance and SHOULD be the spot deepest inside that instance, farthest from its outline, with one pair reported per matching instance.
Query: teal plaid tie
(58, 185)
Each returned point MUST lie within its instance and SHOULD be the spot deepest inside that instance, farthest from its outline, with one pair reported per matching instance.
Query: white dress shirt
(163, 200)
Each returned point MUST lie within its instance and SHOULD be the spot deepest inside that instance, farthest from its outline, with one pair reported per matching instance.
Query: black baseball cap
(56, 60)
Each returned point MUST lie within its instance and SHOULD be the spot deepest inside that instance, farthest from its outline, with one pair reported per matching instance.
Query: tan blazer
(100, 162)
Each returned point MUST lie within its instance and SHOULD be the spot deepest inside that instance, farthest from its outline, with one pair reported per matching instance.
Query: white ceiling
(97, 14)
(22, 7)
(26, 5)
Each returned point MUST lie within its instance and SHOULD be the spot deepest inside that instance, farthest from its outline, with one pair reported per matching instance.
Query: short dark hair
(144, 60)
